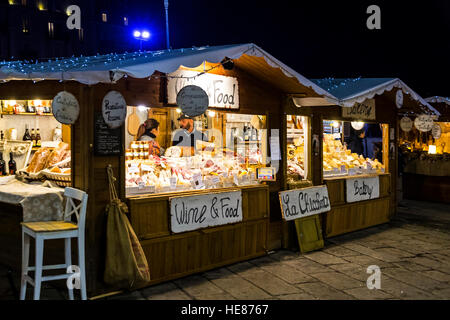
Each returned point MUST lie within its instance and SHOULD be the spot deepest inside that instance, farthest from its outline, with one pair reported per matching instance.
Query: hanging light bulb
(335, 124)
(211, 113)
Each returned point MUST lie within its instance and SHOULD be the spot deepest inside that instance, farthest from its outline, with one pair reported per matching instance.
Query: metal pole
(166, 6)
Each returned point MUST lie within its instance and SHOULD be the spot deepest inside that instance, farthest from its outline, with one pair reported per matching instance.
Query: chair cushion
(49, 226)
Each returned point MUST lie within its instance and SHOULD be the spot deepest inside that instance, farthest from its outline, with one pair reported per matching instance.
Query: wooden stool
(41, 231)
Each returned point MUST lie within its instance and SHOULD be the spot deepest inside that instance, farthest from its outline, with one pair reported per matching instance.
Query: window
(352, 148)
(42, 5)
(25, 25)
(125, 21)
(51, 30)
(81, 34)
(297, 147)
(104, 17)
(223, 150)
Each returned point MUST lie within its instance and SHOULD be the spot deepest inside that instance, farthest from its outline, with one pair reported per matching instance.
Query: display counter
(171, 255)
(346, 217)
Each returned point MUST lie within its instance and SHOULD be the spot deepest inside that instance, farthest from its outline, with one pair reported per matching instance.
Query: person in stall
(187, 135)
(356, 141)
(149, 131)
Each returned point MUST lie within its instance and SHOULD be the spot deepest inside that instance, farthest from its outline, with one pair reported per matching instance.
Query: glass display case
(231, 149)
(352, 148)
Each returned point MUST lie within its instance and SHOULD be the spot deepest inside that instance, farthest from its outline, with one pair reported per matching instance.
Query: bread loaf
(39, 160)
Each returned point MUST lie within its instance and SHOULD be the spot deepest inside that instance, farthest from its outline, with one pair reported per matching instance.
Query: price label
(343, 169)
(141, 185)
(133, 169)
(368, 165)
(146, 167)
(173, 183)
(215, 180)
(197, 181)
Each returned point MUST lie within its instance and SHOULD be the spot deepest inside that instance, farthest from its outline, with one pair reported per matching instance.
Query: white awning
(112, 67)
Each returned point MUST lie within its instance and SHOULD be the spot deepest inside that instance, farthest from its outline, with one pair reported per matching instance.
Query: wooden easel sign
(304, 206)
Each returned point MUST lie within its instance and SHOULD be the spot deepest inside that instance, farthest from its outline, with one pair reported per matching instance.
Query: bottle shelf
(26, 114)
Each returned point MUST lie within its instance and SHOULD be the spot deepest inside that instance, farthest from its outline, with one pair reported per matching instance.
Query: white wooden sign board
(196, 212)
(360, 111)
(114, 109)
(300, 203)
(65, 107)
(223, 92)
(360, 189)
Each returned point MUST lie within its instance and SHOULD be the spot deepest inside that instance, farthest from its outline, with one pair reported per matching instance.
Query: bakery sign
(300, 203)
(223, 92)
(360, 189)
(360, 111)
(209, 210)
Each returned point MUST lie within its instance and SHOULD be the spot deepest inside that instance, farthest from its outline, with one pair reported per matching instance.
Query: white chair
(41, 231)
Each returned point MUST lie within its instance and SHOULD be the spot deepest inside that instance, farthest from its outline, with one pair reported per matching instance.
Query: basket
(60, 179)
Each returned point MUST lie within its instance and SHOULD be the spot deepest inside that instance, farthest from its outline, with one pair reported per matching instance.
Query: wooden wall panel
(356, 216)
(175, 256)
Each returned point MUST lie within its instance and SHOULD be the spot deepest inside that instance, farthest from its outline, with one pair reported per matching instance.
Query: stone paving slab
(324, 258)
(338, 280)
(366, 294)
(240, 288)
(165, 291)
(323, 291)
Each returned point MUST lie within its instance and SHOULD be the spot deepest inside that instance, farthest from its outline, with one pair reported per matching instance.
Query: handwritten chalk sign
(114, 109)
(222, 91)
(423, 123)
(107, 141)
(360, 111)
(300, 203)
(406, 124)
(192, 100)
(202, 211)
(65, 108)
(360, 189)
(436, 131)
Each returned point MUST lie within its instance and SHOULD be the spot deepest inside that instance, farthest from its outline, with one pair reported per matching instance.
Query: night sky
(321, 38)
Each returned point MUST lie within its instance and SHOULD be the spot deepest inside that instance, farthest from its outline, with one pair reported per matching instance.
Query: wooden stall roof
(143, 64)
(442, 104)
(355, 90)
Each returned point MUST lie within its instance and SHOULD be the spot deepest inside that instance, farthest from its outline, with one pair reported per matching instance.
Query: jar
(134, 145)
(129, 154)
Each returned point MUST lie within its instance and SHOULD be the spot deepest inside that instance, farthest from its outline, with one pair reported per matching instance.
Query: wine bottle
(33, 137)
(38, 138)
(12, 165)
(2, 165)
(26, 135)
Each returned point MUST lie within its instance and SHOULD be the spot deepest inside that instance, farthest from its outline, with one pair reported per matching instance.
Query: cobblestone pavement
(412, 251)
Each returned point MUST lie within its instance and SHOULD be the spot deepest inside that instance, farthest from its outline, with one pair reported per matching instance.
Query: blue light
(145, 34)
(136, 34)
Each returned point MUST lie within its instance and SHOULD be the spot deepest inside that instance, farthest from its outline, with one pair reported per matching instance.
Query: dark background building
(31, 29)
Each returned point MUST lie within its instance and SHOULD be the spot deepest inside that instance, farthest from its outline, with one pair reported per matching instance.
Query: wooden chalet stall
(426, 152)
(323, 155)
(144, 80)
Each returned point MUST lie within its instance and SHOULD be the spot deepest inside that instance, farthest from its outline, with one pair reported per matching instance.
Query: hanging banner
(192, 100)
(360, 111)
(360, 189)
(406, 124)
(223, 92)
(114, 109)
(423, 123)
(208, 210)
(65, 108)
(304, 202)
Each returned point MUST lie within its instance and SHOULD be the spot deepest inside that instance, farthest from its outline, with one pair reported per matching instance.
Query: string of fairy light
(106, 62)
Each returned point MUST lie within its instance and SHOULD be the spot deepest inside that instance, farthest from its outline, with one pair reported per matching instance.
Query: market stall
(169, 192)
(351, 149)
(425, 145)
